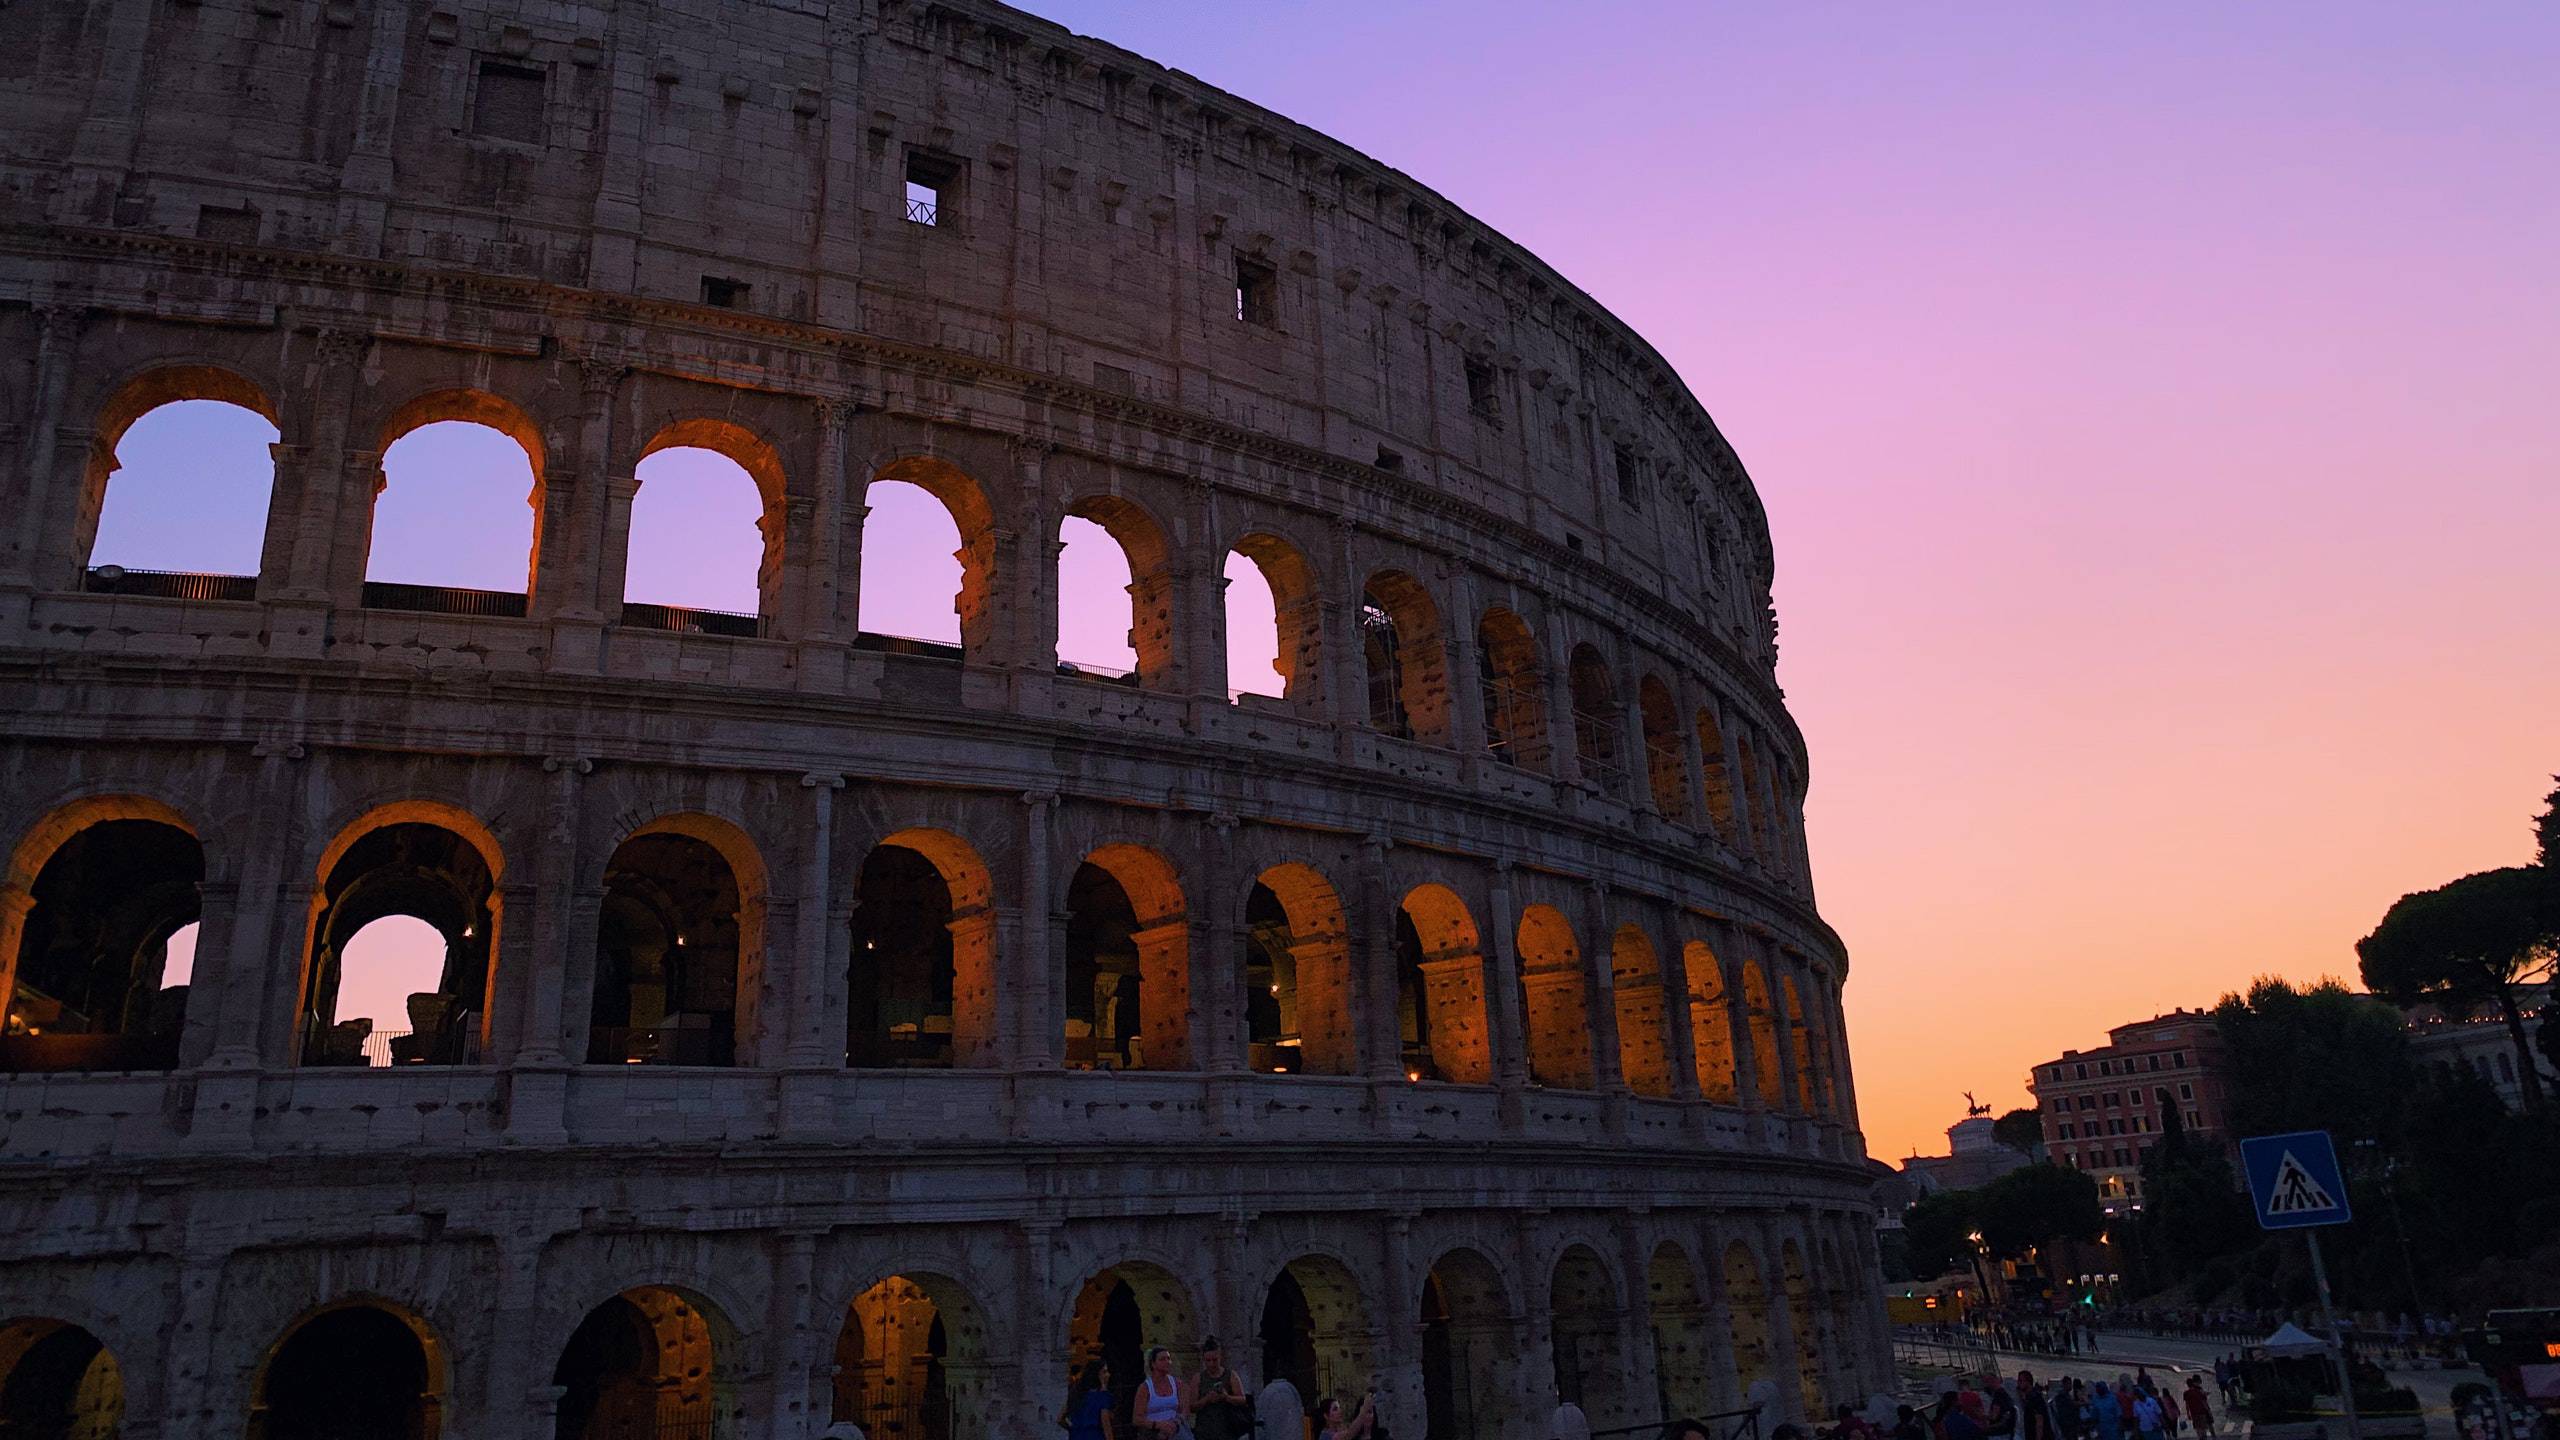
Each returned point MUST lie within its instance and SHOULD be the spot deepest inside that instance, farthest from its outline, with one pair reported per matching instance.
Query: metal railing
(443, 599)
(642, 615)
(924, 212)
(1721, 1425)
(906, 645)
(168, 584)
(1595, 742)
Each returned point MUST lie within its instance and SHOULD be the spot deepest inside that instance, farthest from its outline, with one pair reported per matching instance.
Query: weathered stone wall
(361, 219)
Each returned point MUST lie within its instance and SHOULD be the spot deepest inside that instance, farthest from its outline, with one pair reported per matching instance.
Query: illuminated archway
(427, 863)
(455, 463)
(1271, 619)
(1711, 1025)
(903, 576)
(1559, 1015)
(1315, 1331)
(1116, 598)
(679, 946)
(108, 882)
(58, 1382)
(1406, 659)
(911, 1360)
(1128, 964)
(1297, 975)
(704, 547)
(1513, 691)
(922, 985)
(1643, 1013)
(651, 1361)
(1440, 989)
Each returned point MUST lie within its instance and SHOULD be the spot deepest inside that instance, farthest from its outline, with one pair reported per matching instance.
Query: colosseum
(837, 1026)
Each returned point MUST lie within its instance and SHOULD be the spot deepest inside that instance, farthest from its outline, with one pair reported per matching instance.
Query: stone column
(309, 516)
(1200, 612)
(542, 984)
(516, 1369)
(1680, 1030)
(49, 480)
(578, 577)
(797, 1343)
(1639, 754)
(1747, 1058)
(1465, 668)
(1037, 1039)
(233, 984)
(190, 1345)
(1564, 733)
(1217, 924)
(1373, 950)
(16, 901)
(1401, 1405)
(821, 953)
(1536, 1375)
(1600, 995)
(345, 546)
(829, 574)
(1693, 756)
(1786, 1361)
(1504, 1017)
(1635, 1316)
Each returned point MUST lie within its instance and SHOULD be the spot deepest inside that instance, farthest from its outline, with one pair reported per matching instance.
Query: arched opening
(1746, 1305)
(678, 943)
(1551, 984)
(1406, 659)
(1711, 1025)
(921, 985)
(1315, 1331)
(1469, 1349)
(1809, 1079)
(1124, 1312)
(401, 935)
(1677, 1313)
(1764, 1033)
(108, 883)
(1644, 1013)
(650, 1362)
(920, 511)
(1297, 973)
(1128, 964)
(1514, 691)
(1591, 1368)
(180, 476)
(1799, 1292)
(1595, 721)
(445, 533)
(1718, 777)
(1666, 759)
(911, 1361)
(703, 550)
(58, 1382)
(1271, 621)
(351, 1370)
(1440, 991)
(1113, 567)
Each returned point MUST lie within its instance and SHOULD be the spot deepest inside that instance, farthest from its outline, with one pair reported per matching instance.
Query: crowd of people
(2134, 1407)
(1212, 1404)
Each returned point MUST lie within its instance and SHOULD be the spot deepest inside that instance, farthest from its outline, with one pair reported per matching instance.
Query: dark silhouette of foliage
(2034, 1206)
(2474, 941)
(2322, 1058)
(1935, 1229)
(2021, 1130)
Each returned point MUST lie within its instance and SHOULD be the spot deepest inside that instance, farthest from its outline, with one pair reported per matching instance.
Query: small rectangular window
(1630, 476)
(1114, 379)
(931, 183)
(1257, 292)
(230, 225)
(1482, 396)
(508, 103)
(2186, 1092)
(726, 293)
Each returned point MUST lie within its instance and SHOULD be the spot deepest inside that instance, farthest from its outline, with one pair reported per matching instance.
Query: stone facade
(683, 1142)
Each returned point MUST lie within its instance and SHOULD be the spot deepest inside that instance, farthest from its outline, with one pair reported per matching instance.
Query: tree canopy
(2036, 1205)
(2474, 940)
(2021, 1130)
(2318, 1058)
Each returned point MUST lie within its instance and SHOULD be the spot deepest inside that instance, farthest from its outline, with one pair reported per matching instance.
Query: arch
(352, 1367)
(912, 1360)
(1297, 626)
(1297, 975)
(651, 1360)
(1590, 1362)
(681, 574)
(1798, 1287)
(1554, 999)
(923, 965)
(886, 552)
(1128, 963)
(1809, 1077)
(1756, 799)
(1513, 690)
(95, 890)
(1643, 1013)
(426, 516)
(58, 1381)
(1746, 1304)
(198, 479)
(1596, 741)
(1149, 641)
(1470, 1347)
(428, 861)
(1718, 779)
(1764, 1033)
(1315, 1330)
(1124, 1310)
(1406, 657)
(679, 945)
(1440, 989)
(1676, 1311)
(1711, 1025)
(1666, 759)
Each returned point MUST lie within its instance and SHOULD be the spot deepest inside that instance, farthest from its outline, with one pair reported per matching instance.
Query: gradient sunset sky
(2157, 407)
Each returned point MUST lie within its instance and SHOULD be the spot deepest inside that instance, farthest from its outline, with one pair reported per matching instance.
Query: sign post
(2297, 1185)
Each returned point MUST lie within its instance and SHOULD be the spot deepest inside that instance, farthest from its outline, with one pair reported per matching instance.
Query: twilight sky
(2158, 410)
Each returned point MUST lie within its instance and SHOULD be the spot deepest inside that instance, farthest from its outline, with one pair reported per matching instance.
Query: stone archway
(1590, 1359)
(911, 1361)
(356, 1369)
(92, 897)
(1677, 1312)
(1440, 989)
(1315, 1330)
(1126, 1310)
(1559, 1015)
(921, 985)
(1470, 1350)
(1746, 1303)
(58, 1382)
(1297, 975)
(1128, 964)
(647, 1362)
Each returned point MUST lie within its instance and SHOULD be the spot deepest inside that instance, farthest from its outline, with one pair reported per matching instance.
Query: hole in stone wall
(508, 103)
(1253, 630)
(189, 492)
(456, 511)
(911, 572)
(697, 538)
(1094, 610)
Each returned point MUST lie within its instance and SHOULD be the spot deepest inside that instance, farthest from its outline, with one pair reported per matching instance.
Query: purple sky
(2155, 407)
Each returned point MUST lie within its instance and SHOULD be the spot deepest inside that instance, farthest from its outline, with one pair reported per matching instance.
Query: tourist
(2002, 1421)
(2149, 1419)
(1330, 1424)
(1907, 1424)
(1088, 1412)
(2035, 1421)
(1220, 1410)
(2105, 1416)
(2199, 1409)
(1159, 1412)
(1955, 1422)
(1853, 1426)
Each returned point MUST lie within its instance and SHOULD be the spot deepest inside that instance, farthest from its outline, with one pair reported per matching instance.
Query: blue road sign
(2295, 1180)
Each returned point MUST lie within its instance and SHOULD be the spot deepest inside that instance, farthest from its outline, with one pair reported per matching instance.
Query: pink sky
(2155, 408)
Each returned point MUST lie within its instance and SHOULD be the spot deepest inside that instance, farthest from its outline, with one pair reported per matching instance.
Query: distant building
(1974, 1157)
(2102, 1108)
(2478, 1041)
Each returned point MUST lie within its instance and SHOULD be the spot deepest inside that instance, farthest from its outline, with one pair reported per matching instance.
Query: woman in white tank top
(1160, 1409)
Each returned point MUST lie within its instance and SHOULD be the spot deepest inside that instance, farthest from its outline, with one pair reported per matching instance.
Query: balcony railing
(443, 599)
(168, 584)
(1596, 742)
(924, 212)
(683, 618)
(906, 645)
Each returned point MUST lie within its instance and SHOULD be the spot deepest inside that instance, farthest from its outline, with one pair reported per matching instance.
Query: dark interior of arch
(57, 1382)
(1103, 993)
(1383, 652)
(1270, 984)
(356, 1371)
(1595, 703)
(428, 873)
(902, 973)
(1413, 1001)
(1289, 1339)
(666, 956)
(96, 940)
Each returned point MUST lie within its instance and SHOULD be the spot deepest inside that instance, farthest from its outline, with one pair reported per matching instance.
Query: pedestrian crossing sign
(2295, 1180)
